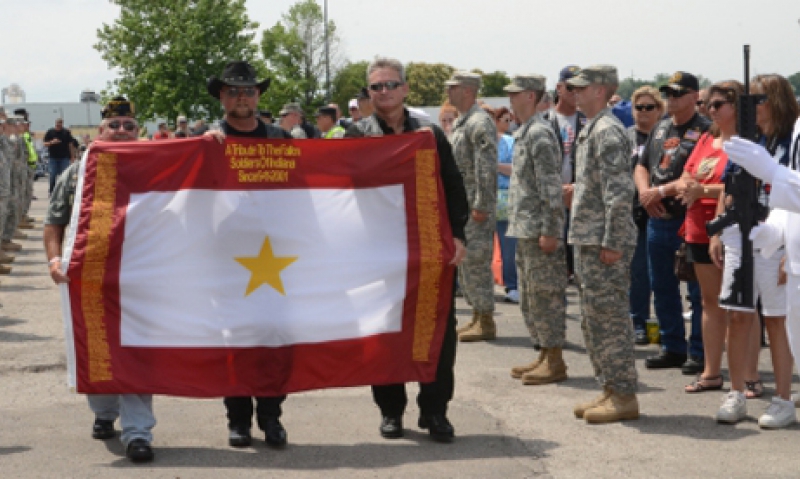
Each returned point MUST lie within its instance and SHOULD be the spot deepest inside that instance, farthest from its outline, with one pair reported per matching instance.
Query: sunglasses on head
(388, 85)
(247, 91)
(126, 125)
(716, 105)
(645, 107)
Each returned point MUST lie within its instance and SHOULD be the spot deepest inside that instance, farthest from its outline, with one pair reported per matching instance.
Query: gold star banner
(266, 268)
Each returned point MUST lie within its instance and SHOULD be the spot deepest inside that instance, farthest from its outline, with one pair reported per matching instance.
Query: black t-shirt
(263, 130)
(60, 150)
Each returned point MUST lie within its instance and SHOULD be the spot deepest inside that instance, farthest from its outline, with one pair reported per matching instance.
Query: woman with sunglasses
(648, 108)
(776, 112)
(700, 187)
(508, 246)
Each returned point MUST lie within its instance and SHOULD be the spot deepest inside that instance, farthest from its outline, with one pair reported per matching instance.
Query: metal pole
(327, 57)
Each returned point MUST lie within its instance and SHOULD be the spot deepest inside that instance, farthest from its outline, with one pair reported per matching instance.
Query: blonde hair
(649, 91)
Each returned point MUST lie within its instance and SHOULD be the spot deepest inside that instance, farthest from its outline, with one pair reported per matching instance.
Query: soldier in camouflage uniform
(12, 214)
(536, 219)
(604, 235)
(5, 185)
(474, 141)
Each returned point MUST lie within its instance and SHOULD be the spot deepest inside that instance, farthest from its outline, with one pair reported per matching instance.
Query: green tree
(166, 51)
(347, 83)
(426, 83)
(795, 81)
(294, 51)
(493, 84)
(629, 85)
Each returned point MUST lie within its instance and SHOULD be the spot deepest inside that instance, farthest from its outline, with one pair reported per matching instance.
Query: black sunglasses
(235, 91)
(645, 107)
(670, 93)
(389, 85)
(716, 105)
(126, 125)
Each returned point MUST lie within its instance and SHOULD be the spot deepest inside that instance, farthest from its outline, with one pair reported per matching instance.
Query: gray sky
(47, 47)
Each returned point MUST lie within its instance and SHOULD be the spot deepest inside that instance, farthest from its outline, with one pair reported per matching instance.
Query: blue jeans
(134, 410)
(508, 251)
(662, 243)
(57, 166)
(639, 291)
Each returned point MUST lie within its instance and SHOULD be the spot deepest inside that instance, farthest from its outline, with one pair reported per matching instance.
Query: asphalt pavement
(503, 429)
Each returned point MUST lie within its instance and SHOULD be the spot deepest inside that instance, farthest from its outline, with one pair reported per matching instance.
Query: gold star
(266, 268)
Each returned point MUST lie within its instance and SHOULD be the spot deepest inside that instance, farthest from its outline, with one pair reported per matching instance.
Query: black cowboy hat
(238, 73)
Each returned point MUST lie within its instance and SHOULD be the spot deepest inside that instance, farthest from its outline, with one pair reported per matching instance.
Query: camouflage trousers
(14, 211)
(26, 205)
(475, 272)
(542, 281)
(607, 329)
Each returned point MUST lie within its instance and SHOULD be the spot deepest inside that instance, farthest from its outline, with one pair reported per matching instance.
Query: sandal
(701, 384)
(753, 389)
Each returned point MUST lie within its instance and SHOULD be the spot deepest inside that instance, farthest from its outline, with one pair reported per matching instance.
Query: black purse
(684, 270)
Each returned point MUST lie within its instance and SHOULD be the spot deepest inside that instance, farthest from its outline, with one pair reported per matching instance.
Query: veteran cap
(681, 81)
(595, 75)
(531, 82)
(568, 72)
(291, 108)
(464, 78)
(118, 106)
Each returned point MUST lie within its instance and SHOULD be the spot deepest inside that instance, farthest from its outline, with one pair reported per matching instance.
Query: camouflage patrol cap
(464, 78)
(595, 74)
(531, 82)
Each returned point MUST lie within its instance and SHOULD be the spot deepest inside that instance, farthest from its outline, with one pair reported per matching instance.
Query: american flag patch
(693, 135)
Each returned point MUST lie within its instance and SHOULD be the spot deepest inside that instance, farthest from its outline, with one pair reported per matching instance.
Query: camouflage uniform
(601, 219)
(18, 176)
(536, 209)
(5, 177)
(475, 149)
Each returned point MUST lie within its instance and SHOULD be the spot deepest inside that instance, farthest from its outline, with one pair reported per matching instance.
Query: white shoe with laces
(733, 409)
(512, 296)
(778, 415)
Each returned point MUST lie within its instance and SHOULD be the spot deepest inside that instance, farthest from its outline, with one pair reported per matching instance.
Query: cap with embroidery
(118, 106)
(681, 81)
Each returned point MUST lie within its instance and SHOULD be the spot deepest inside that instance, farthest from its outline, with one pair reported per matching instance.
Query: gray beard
(241, 116)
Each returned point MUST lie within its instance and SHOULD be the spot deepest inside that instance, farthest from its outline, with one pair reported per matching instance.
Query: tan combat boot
(580, 409)
(11, 246)
(482, 330)
(5, 269)
(552, 369)
(470, 324)
(518, 371)
(6, 258)
(616, 407)
(25, 225)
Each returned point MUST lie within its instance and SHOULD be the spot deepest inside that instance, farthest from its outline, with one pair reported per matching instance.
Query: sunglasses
(700, 103)
(388, 85)
(126, 125)
(675, 93)
(235, 91)
(645, 107)
(716, 105)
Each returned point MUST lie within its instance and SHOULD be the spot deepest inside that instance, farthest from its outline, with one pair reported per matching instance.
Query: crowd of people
(573, 196)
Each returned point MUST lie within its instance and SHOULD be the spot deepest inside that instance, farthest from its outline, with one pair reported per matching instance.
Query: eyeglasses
(670, 93)
(716, 105)
(126, 125)
(645, 107)
(235, 91)
(388, 85)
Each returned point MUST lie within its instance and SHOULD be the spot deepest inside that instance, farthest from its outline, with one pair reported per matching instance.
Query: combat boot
(10, 246)
(580, 409)
(25, 225)
(5, 269)
(518, 371)
(552, 369)
(19, 235)
(6, 258)
(616, 407)
(484, 329)
(470, 324)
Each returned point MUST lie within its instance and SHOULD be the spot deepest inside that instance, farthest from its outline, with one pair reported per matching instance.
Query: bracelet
(661, 191)
(55, 259)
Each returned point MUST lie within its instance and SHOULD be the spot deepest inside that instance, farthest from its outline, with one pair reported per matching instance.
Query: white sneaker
(687, 315)
(733, 409)
(779, 414)
(512, 296)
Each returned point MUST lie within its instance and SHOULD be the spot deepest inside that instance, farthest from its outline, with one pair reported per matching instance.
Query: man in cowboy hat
(238, 91)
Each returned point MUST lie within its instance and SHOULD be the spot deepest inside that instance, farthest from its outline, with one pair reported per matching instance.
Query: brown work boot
(25, 225)
(6, 258)
(616, 407)
(580, 409)
(552, 369)
(518, 371)
(5, 269)
(470, 324)
(482, 330)
(19, 235)
(10, 246)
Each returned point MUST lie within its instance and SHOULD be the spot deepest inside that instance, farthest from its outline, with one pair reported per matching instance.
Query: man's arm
(617, 188)
(546, 160)
(484, 141)
(53, 238)
(454, 192)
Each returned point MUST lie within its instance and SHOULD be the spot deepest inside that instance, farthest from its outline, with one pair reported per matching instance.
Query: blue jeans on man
(640, 291)
(56, 167)
(662, 243)
(508, 252)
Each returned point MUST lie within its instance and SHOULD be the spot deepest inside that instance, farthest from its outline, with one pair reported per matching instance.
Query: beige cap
(532, 82)
(465, 78)
(595, 74)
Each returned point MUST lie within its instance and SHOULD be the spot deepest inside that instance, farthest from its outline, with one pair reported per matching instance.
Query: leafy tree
(347, 83)
(294, 52)
(165, 52)
(795, 81)
(629, 85)
(493, 84)
(426, 83)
